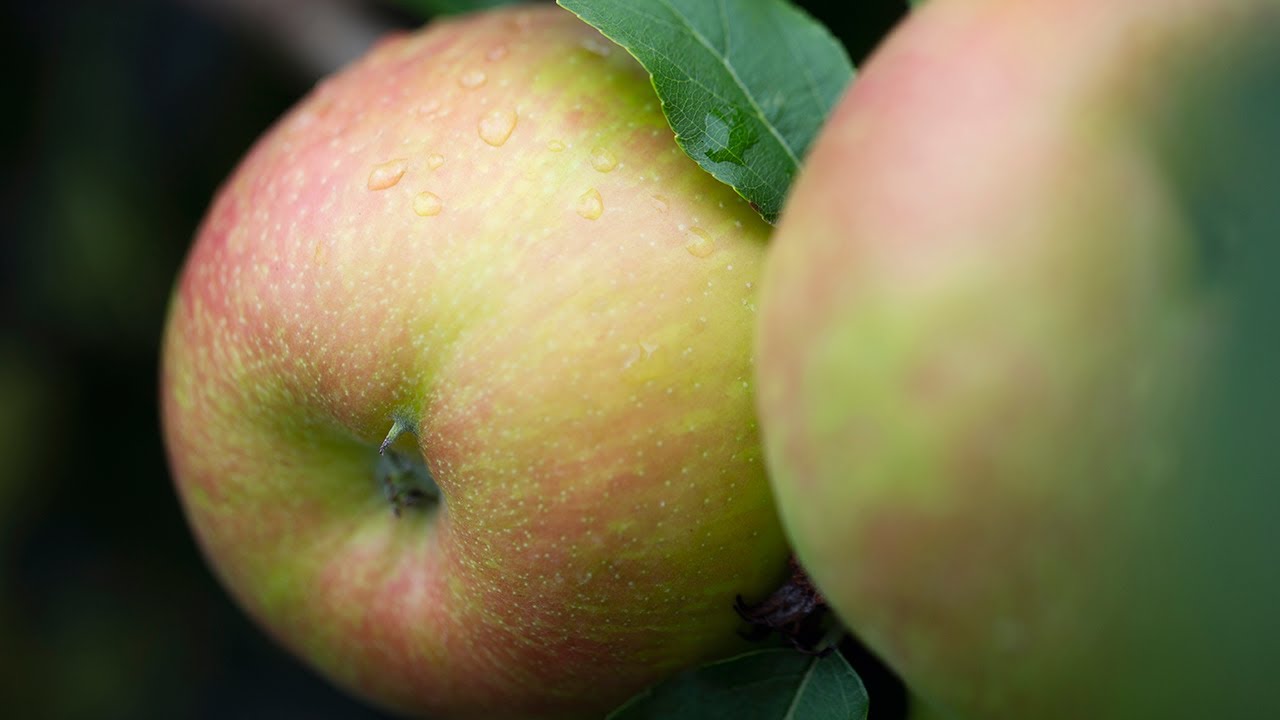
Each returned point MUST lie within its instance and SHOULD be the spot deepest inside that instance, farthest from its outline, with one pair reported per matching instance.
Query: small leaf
(778, 684)
(746, 84)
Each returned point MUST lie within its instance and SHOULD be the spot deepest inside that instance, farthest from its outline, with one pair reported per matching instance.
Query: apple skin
(565, 323)
(985, 335)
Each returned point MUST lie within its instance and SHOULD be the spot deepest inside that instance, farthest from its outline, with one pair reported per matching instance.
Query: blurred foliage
(427, 8)
(121, 122)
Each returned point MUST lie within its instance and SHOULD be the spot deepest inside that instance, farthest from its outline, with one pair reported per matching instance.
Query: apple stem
(400, 425)
(796, 611)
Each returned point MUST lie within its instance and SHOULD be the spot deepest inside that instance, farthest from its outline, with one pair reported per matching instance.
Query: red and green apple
(482, 245)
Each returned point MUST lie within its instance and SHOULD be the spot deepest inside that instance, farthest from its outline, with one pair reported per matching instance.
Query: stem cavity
(406, 481)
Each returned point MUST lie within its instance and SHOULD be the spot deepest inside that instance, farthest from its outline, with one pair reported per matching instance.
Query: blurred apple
(998, 301)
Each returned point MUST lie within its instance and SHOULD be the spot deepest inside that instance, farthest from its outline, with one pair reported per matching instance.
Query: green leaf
(430, 8)
(779, 684)
(746, 84)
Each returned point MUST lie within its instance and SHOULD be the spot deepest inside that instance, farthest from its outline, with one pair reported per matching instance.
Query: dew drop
(603, 160)
(496, 127)
(236, 239)
(427, 204)
(590, 204)
(496, 53)
(435, 160)
(698, 242)
(429, 108)
(471, 79)
(632, 356)
(660, 203)
(555, 146)
(522, 22)
(597, 46)
(387, 174)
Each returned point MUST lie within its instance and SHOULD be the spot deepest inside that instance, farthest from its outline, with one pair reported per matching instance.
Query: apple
(480, 249)
(993, 310)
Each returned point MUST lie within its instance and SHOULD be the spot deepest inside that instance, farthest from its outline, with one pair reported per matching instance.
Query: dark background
(120, 120)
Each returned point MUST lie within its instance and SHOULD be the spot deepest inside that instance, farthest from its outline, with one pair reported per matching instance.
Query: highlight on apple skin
(480, 243)
(991, 318)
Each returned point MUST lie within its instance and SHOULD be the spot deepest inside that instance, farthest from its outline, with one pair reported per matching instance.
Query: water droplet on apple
(633, 355)
(496, 53)
(427, 204)
(435, 160)
(698, 242)
(429, 108)
(496, 127)
(555, 146)
(387, 174)
(471, 79)
(660, 203)
(603, 160)
(236, 238)
(597, 46)
(590, 204)
(522, 22)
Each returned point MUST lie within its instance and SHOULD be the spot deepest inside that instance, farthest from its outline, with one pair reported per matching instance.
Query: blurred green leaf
(430, 8)
(746, 84)
(761, 685)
